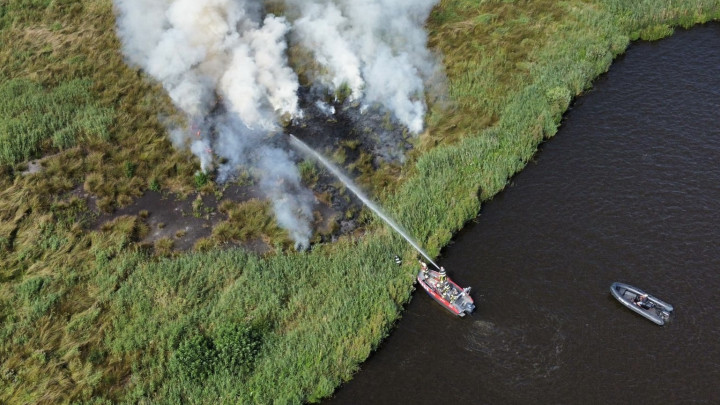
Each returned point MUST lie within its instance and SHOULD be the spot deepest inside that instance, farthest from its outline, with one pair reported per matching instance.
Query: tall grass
(62, 59)
(92, 316)
(65, 115)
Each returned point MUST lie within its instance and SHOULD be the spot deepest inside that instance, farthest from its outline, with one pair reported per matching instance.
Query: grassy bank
(94, 316)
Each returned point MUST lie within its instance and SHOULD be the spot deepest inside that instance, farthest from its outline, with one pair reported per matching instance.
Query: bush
(200, 179)
(195, 358)
(233, 350)
(237, 347)
(343, 92)
(154, 184)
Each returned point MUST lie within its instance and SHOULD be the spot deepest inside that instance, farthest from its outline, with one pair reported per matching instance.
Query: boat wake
(510, 352)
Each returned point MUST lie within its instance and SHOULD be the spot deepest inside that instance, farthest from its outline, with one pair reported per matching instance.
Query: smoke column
(224, 65)
(378, 48)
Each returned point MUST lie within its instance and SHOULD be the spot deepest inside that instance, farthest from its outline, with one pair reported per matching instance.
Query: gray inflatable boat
(644, 304)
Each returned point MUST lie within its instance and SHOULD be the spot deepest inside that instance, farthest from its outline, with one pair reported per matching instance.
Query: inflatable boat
(644, 304)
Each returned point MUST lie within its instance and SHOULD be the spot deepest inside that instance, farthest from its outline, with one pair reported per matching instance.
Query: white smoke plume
(378, 48)
(224, 64)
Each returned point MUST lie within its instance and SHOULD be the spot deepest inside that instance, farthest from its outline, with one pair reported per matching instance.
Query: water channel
(628, 190)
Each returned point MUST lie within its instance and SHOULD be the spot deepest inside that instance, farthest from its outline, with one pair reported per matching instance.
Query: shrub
(237, 347)
(195, 358)
(233, 350)
(154, 184)
(343, 92)
(200, 179)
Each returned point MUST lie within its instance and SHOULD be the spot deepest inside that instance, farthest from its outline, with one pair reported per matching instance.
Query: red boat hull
(461, 304)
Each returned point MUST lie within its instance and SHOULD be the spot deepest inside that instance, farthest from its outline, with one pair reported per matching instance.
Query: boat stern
(467, 305)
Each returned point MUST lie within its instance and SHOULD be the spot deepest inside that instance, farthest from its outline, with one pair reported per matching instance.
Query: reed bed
(96, 317)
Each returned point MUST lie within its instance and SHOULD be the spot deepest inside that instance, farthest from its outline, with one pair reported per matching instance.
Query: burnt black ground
(353, 127)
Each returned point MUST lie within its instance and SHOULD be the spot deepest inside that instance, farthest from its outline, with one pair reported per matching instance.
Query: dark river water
(628, 190)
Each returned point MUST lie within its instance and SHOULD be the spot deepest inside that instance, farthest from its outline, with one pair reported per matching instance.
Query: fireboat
(443, 290)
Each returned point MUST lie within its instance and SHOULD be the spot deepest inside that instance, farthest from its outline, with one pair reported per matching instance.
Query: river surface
(628, 190)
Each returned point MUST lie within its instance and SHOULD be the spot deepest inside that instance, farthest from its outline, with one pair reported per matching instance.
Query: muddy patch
(184, 221)
(169, 217)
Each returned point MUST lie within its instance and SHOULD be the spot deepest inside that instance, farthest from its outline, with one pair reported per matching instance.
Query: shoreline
(320, 314)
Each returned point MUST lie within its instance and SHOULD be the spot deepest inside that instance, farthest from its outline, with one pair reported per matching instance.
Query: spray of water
(369, 203)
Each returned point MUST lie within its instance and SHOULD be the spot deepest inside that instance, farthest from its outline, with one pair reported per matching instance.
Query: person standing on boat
(443, 275)
(423, 268)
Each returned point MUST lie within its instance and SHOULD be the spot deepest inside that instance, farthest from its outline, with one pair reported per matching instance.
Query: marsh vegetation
(90, 312)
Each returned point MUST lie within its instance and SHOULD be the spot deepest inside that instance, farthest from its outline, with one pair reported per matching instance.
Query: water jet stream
(369, 203)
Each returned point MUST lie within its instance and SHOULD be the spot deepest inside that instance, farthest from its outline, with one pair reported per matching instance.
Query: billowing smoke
(377, 48)
(224, 64)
